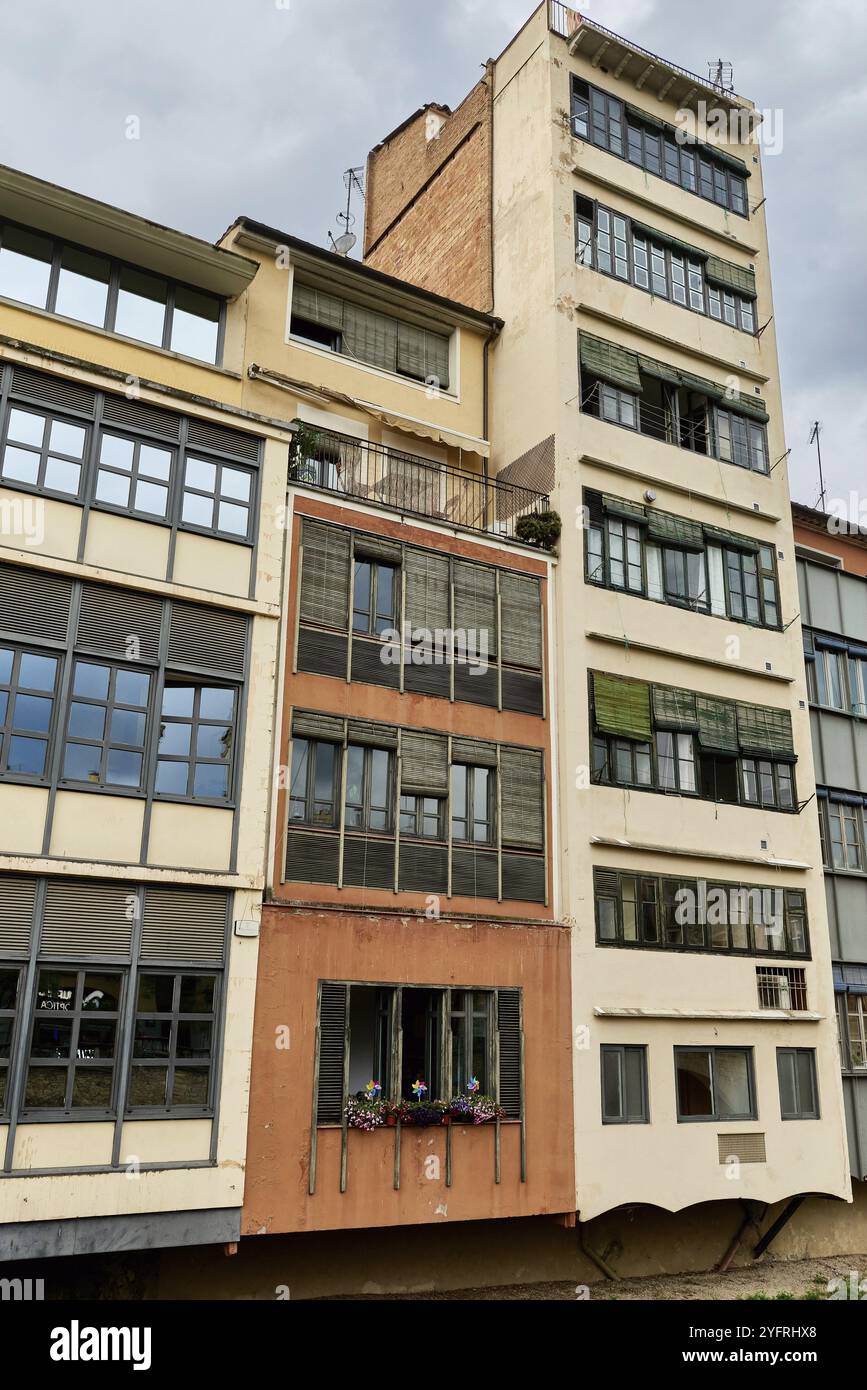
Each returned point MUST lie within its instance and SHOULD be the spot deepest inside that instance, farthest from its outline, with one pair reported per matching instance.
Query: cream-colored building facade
(140, 571)
(630, 265)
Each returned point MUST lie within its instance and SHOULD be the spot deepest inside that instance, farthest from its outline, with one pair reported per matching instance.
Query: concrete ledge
(99, 1235)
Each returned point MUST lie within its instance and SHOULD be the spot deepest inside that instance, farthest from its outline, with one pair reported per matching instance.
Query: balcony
(411, 485)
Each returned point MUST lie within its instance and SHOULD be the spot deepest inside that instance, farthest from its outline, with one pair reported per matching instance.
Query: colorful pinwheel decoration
(373, 1090)
(473, 1085)
(419, 1090)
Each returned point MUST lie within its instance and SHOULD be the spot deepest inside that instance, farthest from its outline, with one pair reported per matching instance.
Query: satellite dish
(344, 244)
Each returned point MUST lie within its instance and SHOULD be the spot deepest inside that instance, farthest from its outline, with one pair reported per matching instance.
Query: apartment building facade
(140, 574)
(409, 938)
(832, 575)
(630, 265)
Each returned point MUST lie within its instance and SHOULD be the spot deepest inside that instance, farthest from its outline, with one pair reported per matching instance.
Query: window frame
(468, 807)
(43, 452)
(309, 796)
(7, 1064)
(134, 476)
(372, 614)
(800, 1113)
(106, 744)
(195, 721)
(183, 489)
(175, 1017)
(419, 816)
(841, 810)
(71, 1063)
(629, 1114)
(115, 269)
(8, 729)
(365, 806)
(716, 1117)
(847, 1016)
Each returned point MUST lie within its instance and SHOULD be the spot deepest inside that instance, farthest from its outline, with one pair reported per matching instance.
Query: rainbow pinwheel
(419, 1090)
(473, 1085)
(373, 1090)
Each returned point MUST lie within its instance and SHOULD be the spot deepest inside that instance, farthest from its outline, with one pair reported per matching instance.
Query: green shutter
(717, 725)
(627, 511)
(674, 710)
(370, 337)
(702, 386)
(476, 602)
(666, 529)
(731, 540)
(474, 752)
(521, 798)
(371, 735)
(753, 406)
(308, 724)
(680, 248)
(325, 576)
(651, 366)
(731, 277)
(622, 707)
(611, 363)
(766, 732)
(521, 617)
(316, 306)
(424, 764)
(427, 590)
(331, 1058)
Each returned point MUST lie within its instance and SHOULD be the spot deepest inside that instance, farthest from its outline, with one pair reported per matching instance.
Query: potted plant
(364, 1114)
(302, 454)
(540, 529)
(425, 1114)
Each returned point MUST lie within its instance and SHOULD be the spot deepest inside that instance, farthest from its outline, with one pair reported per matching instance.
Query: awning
(764, 732)
(666, 529)
(610, 363)
(732, 540)
(622, 707)
(674, 710)
(731, 277)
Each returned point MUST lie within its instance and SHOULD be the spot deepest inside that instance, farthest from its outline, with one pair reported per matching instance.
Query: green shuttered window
(522, 798)
(325, 576)
(622, 707)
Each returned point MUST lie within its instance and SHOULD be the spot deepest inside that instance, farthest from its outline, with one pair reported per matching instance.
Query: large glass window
(133, 475)
(368, 789)
(714, 1083)
(422, 817)
(73, 1041)
(829, 679)
(470, 1027)
(195, 324)
(25, 266)
(43, 451)
(313, 783)
(799, 1096)
(842, 840)
(173, 1043)
(10, 979)
(472, 804)
(856, 1028)
(217, 497)
(141, 306)
(197, 735)
(28, 685)
(106, 727)
(82, 286)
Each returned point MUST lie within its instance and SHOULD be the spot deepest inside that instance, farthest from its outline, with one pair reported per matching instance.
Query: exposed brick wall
(428, 203)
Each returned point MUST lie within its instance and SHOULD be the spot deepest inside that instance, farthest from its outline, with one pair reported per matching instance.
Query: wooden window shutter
(370, 337)
(510, 1039)
(666, 529)
(316, 305)
(34, 604)
(522, 798)
(606, 883)
(110, 617)
(180, 925)
(331, 1058)
(209, 638)
(325, 576)
(476, 601)
(329, 727)
(474, 752)
(717, 725)
(17, 899)
(622, 707)
(521, 617)
(674, 709)
(367, 547)
(610, 363)
(427, 590)
(424, 765)
(87, 919)
(766, 731)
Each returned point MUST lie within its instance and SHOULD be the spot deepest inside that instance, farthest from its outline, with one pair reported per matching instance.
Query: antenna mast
(815, 437)
(353, 180)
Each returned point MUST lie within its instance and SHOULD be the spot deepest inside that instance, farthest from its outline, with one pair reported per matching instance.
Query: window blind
(717, 725)
(521, 618)
(331, 1051)
(611, 363)
(674, 709)
(325, 576)
(522, 798)
(427, 590)
(765, 731)
(622, 707)
(424, 765)
(476, 601)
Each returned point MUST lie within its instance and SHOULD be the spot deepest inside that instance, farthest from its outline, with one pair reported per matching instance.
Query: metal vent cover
(54, 391)
(137, 415)
(110, 617)
(212, 639)
(87, 919)
(204, 435)
(178, 925)
(17, 898)
(33, 604)
(746, 1148)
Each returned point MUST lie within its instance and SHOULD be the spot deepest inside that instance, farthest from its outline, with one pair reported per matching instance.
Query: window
(10, 977)
(28, 683)
(393, 345)
(196, 740)
(767, 784)
(104, 293)
(368, 788)
(714, 1083)
(375, 597)
(624, 556)
(799, 1097)
(685, 577)
(313, 783)
(829, 679)
(618, 407)
(689, 914)
(43, 451)
(422, 817)
(473, 805)
(470, 1033)
(106, 726)
(780, 988)
(216, 497)
(173, 1042)
(624, 1085)
(741, 442)
(675, 758)
(599, 118)
(73, 1042)
(133, 476)
(856, 1030)
(842, 836)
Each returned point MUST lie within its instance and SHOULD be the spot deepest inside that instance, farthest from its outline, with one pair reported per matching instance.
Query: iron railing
(409, 484)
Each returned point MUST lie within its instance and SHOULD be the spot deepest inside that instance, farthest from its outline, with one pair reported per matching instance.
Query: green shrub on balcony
(539, 529)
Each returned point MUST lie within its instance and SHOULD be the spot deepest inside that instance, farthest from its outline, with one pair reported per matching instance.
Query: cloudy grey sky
(257, 106)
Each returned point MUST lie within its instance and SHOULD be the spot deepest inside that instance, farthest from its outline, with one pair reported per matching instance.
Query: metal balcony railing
(406, 483)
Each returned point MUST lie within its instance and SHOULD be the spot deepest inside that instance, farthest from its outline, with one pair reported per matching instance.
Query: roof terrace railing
(409, 484)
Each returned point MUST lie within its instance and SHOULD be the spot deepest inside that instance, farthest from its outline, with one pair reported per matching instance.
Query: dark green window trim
(715, 1057)
(796, 1073)
(625, 1099)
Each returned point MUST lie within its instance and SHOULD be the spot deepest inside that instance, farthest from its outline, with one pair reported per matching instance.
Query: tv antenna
(815, 437)
(353, 179)
(720, 75)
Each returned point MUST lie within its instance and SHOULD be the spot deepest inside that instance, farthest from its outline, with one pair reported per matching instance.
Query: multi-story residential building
(832, 571)
(140, 582)
(409, 936)
(623, 243)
